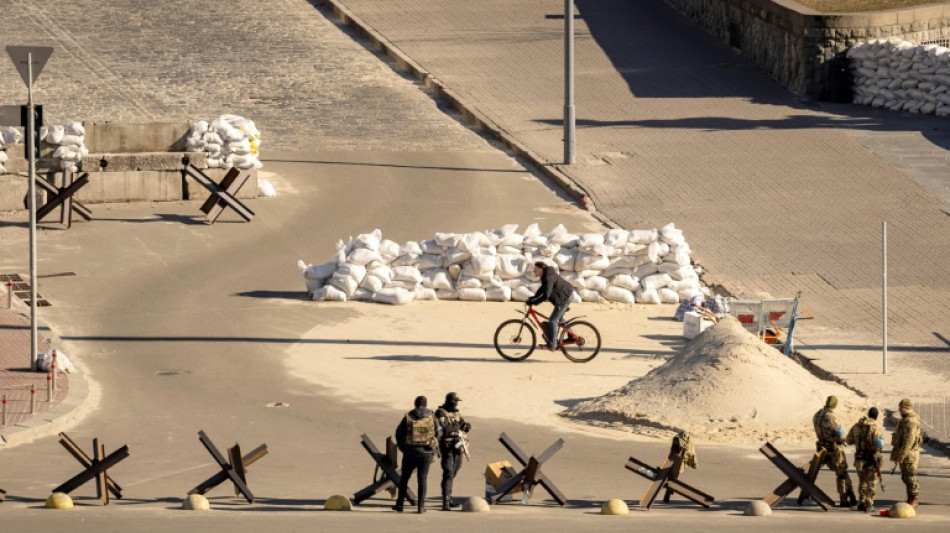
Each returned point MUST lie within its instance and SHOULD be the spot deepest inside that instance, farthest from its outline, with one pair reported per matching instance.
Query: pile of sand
(725, 386)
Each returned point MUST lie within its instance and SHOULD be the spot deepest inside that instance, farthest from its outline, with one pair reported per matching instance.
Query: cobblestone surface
(304, 81)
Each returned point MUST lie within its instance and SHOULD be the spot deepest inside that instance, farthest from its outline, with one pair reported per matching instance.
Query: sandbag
(318, 272)
(585, 261)
(655, 281)
(407, 273)
(668, 296)
(447, 294)
(371, 283)
(393, 296)
(329, 293)
(620, 295)
(472, 295)
(590, 296)
(510, 266)
(596, 283)
(357, 272)
(522, 293)
(625, 281)
(648, 296)
(498, 294)
(429, 261)
(425, 293)
(363, 256)
(437, 278)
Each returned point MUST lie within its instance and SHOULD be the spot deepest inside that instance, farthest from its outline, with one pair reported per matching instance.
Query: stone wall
(804, 50)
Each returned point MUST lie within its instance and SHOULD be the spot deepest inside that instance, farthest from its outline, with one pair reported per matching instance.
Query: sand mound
(725, 386)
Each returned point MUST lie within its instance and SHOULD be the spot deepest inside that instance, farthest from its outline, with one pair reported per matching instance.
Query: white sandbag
(4, 158)
(407, 273)
(407, 284)
(430, 247)
(590, 241)
(393, 296)
(498, 236)
(429, 261)
(468, 282)
(329, 293)
(357, 272)
(656, 251)
(446, 240)
(616, 237)
(505, 249)
(643, 236)
(9, 137)
(627, 261)
(648, 296)
(645, 270)
(586, 261)
(383, 272)
(454, 256)
(406, 260)
(498, 294)
(372, 283)
(689, 295)
(200, 126)
(473, 242)
(590, 296)
(576, 298)
(549, 250)
(618, 294)
(389, 250)
(265, 188)
(481, 263)
(522, 293)
(679, 255)
(560, 236)
(425, 294)
(625, 281)
(614, 271)
(437, 278)
(363, 256)
(655, 281)
(597, 283)
(564, 260)
(313, 284)
(534, 237)
(318, 272)
(510, 266)
(472, 295)
(447, 294)
(575, 280)
(345, 283)
(369, 241)
(684, 285)
(671, 235)
(668, 296)
(56, 134)
(45, 360)
(361, 295)
(410, 248)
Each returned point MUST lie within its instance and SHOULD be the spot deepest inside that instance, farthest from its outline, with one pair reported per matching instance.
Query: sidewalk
(16, 379)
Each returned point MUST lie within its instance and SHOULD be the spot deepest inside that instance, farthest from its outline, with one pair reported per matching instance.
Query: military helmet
(872, 413)
(831, 402)
(906, 403)
(421, 401)
(452, 397)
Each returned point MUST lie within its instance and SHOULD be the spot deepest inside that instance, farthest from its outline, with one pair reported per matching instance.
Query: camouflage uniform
(906, 442)
(830, 437)
(868, 441)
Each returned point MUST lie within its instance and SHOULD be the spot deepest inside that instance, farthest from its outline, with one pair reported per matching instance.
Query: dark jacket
(554, 289)
(402, 430)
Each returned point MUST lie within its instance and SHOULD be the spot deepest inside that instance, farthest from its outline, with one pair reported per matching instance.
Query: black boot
(851, 499)
(446, 503)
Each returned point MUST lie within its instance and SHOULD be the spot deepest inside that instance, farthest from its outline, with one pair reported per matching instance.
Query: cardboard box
(497, 474)
(694, 323)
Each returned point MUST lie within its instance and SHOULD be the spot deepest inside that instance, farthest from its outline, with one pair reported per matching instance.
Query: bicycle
(516, 339)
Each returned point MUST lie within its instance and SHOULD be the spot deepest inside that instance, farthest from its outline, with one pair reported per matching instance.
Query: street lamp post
(568, 82)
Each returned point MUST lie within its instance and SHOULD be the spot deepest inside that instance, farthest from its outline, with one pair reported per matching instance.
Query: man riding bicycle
(556, 290)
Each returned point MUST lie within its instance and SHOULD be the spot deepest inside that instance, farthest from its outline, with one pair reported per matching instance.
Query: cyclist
(556, 290)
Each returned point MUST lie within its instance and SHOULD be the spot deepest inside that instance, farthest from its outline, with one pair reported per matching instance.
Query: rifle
(463, 445)
(881, 479)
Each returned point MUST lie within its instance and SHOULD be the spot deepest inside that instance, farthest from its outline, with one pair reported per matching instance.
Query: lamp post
(568, 82)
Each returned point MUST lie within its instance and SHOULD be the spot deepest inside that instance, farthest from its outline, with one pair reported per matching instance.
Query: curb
(481, 122)
(72, 408)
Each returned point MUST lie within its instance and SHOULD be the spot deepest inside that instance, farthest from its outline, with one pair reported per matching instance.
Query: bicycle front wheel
(580, 341)
(515, 340)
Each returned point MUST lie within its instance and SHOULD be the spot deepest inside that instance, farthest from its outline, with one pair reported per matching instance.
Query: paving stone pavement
(776, 194)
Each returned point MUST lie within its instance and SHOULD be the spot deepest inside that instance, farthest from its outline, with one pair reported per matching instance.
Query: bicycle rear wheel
(515, 340)
(580, 341)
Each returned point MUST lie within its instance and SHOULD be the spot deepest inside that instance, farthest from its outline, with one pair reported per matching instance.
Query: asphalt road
(184, 327)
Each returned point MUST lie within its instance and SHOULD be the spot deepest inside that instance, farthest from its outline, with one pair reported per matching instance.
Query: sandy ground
(408, 351)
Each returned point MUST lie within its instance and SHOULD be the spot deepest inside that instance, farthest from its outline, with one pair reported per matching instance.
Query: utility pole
(568, 82)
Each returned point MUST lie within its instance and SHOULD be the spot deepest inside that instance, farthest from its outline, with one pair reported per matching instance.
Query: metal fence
(933, 416)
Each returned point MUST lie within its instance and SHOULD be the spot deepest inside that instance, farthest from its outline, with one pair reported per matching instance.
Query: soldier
(868, 441)
(830, 437)
(449, 417)
(906, 442)
(417, 438)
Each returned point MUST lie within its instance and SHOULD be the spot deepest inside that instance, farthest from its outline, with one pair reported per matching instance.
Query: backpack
(421, 431)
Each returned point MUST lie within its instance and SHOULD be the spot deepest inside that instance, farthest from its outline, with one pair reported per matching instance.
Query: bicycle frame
(536, 319)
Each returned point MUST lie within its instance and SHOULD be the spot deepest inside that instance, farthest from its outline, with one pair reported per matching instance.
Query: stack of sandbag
(647, 266)
(900, 76)
(69, 140)
(229, 141)
(9, 136)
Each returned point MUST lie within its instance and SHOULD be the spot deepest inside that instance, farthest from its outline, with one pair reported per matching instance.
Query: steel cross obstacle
(62, 197)
(94, 468)
(3, 494)
(234, 468)
(389, 464)
(803, 477)
(222, 195)
(667, 477)
(531, 474)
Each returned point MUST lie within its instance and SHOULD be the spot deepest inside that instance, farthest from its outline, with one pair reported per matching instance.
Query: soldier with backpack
(417, 438)
(868, 442)
(451, 444)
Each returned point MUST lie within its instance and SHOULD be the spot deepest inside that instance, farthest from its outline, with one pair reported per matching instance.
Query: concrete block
(614, 507)
(131, 186)
(195, 502)
(125, 138)
(13, 190)
(337, 503)
(757, 508)
(194, 190)
(141, 161)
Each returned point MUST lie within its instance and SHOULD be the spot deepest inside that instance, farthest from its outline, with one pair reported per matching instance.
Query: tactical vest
(863, 448)
(825, 438)
(421, 432)
(453, 422)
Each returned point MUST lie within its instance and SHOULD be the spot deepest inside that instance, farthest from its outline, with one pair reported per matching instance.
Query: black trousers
(417, 459)
(451, 463)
